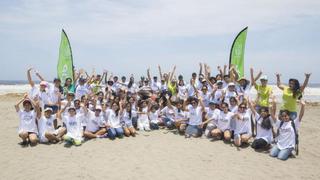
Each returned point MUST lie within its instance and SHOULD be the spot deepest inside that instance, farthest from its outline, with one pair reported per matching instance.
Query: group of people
(218, 106)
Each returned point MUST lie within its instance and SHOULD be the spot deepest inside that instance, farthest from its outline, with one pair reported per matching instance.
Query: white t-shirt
(265, 134)
(74, 128)
(44, 97)
(27, 121)
(155, 86)
(195, 115)
(243, 125)
(82, 90)
(212, 114)
(94, 123)
(180, 114)
(224, 120)
(53, 93)
(286, 138)
(46, 125)
(144, 116)
(228, 95)
(112, 119)
(190, 90)
(182, 92)
(168, 112)
(154, 116)
(218, 96)
(133, 88)
(205, 98)
(125, 118)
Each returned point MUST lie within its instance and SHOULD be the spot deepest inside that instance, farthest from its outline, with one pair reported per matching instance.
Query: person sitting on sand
(48, 132)
(113, 124)
(95, 125)
(28, 130)
(223, 123)
(72, 122)
(126, 120)
(264, 125)
(242, 129)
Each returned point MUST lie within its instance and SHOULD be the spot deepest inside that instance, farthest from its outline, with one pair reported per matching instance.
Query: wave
(311, 94)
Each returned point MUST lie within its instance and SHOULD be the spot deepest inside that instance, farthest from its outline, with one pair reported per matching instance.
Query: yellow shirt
(172, 88)
(289, 102)
(263, 95)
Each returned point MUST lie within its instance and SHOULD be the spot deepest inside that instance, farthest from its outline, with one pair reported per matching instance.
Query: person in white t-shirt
(154, 118)
(230, 92)
(287, 131)
(28, 130)
(82, 88)
(195, 110)
(223, 123)
(126, 120)
(95, 125)
(113, 117)
(143, 119)
(264, 126)
(72, 122)
(48, 132)
(181, 117)
(242, 129)
(211, 118)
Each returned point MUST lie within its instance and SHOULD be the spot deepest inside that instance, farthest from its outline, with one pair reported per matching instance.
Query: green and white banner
(65, 62)
(237, 52)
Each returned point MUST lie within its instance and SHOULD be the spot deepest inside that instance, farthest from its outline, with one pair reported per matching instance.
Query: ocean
(311, 94)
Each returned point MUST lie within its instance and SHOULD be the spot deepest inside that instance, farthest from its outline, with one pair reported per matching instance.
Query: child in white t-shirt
(72, 122)
(143, 119)
(47, 130)
(126, 120)
(28, 130)
(95, 125)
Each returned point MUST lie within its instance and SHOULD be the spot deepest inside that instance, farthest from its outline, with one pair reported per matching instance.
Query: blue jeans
(168, 123)
(154, 126)
(280, 154)
(135, 122)
(193, 130)
(115, 132)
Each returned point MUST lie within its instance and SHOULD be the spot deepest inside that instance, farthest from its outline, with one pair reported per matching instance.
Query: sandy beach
(154, 155)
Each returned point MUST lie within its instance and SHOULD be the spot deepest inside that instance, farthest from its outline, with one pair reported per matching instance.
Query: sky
(128, 36)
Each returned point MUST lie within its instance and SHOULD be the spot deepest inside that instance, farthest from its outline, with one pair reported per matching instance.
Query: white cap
(264, 77)
(98, 108)
(48, 109)
(231, 84)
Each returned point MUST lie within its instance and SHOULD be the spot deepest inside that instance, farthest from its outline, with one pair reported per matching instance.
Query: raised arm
(17, 106)
(251, 106)
(306, 80)
(280, 86)
(220, 71)
(274, 109)
(172, 73)
(30, 78)
(301, 113)
(39, 76)
(200, 70)
(160, 73)
(253, 81)
(148, 74)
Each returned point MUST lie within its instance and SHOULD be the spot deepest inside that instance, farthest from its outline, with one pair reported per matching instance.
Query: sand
(154, 155)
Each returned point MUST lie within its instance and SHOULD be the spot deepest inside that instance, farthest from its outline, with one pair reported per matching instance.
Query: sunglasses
(242, 107)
